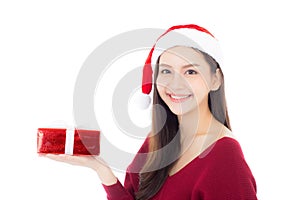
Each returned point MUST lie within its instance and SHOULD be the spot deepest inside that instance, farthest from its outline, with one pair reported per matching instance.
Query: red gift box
(68, 141)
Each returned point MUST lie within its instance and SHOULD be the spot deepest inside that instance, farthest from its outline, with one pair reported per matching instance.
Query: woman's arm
(114, 189)
(112, 186)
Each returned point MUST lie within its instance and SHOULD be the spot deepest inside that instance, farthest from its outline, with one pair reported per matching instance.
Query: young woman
(191, 153)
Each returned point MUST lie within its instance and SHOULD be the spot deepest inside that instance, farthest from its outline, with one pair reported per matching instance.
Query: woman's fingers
(87, 161)
(74, 160)
(96, 163)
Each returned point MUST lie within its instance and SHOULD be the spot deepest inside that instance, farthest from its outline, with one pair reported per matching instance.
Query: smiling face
(184, 79)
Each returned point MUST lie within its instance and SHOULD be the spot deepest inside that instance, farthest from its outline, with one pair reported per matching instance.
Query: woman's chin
(181, 110)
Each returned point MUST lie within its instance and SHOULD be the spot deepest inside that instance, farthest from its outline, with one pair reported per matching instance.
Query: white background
(44, 43)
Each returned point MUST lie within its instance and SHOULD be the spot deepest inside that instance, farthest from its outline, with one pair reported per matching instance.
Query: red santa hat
(189, 35)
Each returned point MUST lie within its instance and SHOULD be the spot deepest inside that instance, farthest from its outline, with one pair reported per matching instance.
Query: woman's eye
(191, 72)
(165, 71)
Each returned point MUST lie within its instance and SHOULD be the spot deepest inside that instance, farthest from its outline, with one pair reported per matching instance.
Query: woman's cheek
(162, 81)
(161, 91)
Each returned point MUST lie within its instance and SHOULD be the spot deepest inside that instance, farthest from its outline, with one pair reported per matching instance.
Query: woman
(191, 153)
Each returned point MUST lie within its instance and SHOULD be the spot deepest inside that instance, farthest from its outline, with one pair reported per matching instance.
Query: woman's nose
(177, 81)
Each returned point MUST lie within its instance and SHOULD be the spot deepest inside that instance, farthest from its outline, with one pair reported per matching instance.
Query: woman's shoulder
(225, 147)
(227, 171)
(226, 157)
(228, 142)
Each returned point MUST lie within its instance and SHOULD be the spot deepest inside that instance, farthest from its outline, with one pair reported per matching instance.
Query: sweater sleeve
(228, 176)
(117, 192)
(127, 192)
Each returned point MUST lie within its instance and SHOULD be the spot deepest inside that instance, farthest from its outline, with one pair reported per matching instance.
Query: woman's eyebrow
(184, 66)
(190, 65)
(165, 65)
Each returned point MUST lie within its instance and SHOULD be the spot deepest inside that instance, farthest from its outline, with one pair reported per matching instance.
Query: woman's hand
(96, 163)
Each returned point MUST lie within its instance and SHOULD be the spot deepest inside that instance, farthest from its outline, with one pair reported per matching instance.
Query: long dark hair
(159, 162)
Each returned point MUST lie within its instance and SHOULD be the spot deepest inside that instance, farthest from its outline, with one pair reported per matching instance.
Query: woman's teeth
(179, 97)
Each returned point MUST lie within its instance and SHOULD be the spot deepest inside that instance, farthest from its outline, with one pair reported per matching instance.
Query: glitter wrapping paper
(53, 140)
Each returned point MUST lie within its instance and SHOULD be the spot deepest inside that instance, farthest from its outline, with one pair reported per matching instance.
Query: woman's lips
(179, 98)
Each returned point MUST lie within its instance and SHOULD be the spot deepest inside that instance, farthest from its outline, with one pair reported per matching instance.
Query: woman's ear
(216, 80)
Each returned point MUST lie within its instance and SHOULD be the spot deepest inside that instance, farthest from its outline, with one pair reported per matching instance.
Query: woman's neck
(196, 122)
(201, 126)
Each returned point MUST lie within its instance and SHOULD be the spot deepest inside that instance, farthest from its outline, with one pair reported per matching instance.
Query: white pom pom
(142, 101)
(139, 109)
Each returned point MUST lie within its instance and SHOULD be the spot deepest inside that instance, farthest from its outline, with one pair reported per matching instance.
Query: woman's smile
(179, 98)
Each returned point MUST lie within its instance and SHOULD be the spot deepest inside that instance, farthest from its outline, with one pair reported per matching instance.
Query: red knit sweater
(219, 173)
